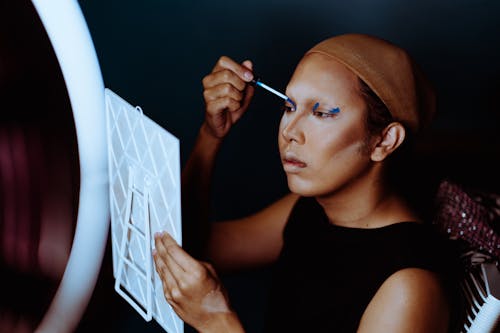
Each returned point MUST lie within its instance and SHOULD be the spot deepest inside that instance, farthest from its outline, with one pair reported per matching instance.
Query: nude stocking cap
(389, 71)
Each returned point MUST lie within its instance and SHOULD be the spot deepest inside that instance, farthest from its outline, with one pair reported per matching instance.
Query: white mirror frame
(70, 38)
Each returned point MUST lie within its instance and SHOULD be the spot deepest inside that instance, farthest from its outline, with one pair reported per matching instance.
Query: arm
(411, 300)
(227, 96)
(250, 241)
(190, 286)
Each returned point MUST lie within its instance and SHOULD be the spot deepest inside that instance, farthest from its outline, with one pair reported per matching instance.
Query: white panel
(144, 177)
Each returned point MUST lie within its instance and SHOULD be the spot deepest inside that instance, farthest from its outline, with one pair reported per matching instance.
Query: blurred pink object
(471, 217)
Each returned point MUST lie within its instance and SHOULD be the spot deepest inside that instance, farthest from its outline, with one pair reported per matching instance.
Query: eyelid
(334, 110)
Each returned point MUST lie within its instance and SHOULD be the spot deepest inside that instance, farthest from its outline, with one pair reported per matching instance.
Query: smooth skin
(314, 146)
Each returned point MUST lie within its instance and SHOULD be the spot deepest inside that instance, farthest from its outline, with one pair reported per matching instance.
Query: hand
(192, 288)
(227, 94)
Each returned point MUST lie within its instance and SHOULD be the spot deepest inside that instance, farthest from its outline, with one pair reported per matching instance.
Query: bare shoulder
(410, 300)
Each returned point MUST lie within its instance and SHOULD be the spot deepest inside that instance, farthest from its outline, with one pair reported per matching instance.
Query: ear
(392, 137)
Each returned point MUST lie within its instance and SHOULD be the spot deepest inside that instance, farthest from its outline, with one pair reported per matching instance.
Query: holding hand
(193, 289)
(227, 94)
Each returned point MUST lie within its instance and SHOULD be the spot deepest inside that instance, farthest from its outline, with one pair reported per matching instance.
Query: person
(351, 253)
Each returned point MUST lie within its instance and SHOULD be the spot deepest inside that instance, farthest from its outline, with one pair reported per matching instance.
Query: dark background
(154, 54)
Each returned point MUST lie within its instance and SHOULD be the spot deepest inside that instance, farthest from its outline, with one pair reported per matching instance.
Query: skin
(327, 146)
(193, 289)
(328, 157)
(345, 179)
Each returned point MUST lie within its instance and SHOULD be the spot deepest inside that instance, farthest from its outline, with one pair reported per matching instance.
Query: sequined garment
(471, 218)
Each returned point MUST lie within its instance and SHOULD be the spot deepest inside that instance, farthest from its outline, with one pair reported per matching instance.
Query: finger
(249, 92)
(163, 271)
(186, 270)
(227, 63)
(223, 75)
(236, 114)
(163, 253)
(249, 89)
(173, 287)
(222, 90)
(178, 255)
(168, 281)
(170, 260)
(215, 107)
(247, 96)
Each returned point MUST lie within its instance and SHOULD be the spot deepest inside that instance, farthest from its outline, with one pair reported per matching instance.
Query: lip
(291, 163)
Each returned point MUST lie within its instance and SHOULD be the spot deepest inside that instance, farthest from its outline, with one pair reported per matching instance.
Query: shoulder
(411, 299)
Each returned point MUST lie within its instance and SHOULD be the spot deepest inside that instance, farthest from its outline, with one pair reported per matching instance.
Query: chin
(304, 189)
(316, 188)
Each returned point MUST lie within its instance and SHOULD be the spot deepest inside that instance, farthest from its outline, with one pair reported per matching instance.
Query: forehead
(324, 74)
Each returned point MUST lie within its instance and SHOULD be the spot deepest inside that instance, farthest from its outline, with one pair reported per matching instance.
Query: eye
(321, 114)
(325, 113)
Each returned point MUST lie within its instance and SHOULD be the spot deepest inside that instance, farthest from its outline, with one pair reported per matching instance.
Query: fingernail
(156, 234)
(154, 252)
(248, 75)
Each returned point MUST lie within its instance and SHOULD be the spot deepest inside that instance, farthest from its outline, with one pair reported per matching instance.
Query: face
(322, 133)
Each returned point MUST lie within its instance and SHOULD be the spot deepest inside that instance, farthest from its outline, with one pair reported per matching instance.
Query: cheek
(337, 149)
(343, 157)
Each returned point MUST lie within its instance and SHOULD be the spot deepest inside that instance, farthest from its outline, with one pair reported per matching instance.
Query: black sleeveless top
(326, 274)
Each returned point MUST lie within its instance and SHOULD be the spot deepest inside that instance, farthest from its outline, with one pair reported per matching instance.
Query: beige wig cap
(389, 71)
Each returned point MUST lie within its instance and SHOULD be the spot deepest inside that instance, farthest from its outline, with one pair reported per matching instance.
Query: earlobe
(392, 137)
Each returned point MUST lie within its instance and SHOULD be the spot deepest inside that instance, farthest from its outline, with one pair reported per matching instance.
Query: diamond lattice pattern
(144, 183)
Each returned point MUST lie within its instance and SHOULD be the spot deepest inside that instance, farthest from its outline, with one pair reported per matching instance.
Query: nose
(292, 127)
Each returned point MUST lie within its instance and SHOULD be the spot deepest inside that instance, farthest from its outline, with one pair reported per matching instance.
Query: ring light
(72, 44)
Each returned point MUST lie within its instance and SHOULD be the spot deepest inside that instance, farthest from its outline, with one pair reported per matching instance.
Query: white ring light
(72, 44)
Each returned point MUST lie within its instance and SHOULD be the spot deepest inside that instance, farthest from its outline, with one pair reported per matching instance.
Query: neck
(366, 202)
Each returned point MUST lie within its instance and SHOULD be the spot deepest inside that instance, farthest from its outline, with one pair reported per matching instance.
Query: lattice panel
(144, 183)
